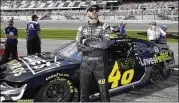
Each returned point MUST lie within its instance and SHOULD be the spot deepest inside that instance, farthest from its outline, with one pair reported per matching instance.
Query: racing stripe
(27, 66)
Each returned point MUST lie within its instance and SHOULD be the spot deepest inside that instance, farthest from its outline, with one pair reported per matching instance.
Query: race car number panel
(116, 77)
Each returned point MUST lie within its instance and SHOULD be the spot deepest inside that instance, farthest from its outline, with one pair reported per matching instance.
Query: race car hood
(28, 66)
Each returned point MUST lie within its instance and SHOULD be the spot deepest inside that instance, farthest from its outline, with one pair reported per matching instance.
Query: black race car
(54, 76)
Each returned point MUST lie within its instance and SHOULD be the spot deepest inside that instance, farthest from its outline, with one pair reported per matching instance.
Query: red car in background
(2, 50)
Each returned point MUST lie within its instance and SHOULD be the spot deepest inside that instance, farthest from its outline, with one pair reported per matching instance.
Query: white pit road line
(176, 69)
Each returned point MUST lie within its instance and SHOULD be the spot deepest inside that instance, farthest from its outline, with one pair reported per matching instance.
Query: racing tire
(155, 74)
(166, 73)
(58, 90)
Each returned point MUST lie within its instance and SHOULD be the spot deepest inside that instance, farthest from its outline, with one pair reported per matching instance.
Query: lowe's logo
(147, 61)
(153, 60)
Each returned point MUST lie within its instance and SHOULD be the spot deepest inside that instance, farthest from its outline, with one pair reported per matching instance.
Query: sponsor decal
(57, 75)
(16, 68)
(147, 61)
(153, 60)
(36, 62)
(127, 63)
(162, 57)
(156, 49)
(37, 65)
(25, 100)
(67, 81)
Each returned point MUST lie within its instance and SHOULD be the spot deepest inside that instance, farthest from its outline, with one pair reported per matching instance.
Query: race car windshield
(70, 51)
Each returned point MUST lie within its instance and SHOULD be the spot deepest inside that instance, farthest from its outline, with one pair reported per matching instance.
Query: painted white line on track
(176, 69)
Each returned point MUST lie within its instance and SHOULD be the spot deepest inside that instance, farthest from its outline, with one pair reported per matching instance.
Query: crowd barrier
(107, 21)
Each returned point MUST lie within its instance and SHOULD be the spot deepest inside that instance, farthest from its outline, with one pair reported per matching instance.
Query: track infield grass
(67, 34)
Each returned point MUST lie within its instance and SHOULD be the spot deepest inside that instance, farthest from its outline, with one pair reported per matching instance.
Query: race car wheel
(155, 74)
(166, 72)
(59, 90)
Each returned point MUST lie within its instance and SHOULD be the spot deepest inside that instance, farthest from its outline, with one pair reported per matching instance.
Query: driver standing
(92, 40)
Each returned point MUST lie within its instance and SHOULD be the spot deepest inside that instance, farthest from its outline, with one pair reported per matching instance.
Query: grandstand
(75, 9)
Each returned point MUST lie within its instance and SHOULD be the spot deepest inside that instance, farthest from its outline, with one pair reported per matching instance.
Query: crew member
(93, 40)
(163, 37)
(122, 28)
(33, 36)
(11, 35)
(153, 33)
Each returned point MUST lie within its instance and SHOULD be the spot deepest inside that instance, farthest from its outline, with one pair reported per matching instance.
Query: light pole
(172, 8)
(104, 6)
(154, 13)
(143, 9)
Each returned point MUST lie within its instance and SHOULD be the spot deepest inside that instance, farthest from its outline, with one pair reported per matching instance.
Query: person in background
(122, 28)
(33, 36)
(153, 33)
(11, 35)
(163, 38)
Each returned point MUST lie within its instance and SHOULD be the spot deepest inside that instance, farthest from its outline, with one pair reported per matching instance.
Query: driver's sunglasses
(92, 9)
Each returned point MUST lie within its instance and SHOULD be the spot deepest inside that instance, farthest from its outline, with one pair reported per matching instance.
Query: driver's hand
(83, 41)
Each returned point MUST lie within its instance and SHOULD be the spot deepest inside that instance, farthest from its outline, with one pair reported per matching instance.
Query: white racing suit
(154, 33)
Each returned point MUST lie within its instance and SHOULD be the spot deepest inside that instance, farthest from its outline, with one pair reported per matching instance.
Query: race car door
(122, 67)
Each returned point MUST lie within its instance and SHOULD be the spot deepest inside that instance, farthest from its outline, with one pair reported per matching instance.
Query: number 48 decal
(116, 75)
